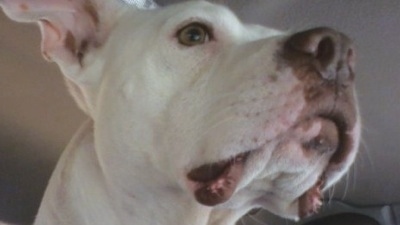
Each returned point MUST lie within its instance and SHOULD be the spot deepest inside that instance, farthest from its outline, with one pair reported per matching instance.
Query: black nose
(330, 52)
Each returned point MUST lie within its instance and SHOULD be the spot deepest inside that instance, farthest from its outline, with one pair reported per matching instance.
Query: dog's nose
(330, 52)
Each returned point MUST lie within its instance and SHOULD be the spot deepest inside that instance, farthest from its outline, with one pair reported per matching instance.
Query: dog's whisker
(365, 148)
(355, 176)
(331, 193)
(255, 219)
(346, 187)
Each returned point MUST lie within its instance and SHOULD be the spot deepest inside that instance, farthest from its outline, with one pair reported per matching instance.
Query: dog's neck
(79, 176)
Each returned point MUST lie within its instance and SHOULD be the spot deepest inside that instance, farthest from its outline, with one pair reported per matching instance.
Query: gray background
(37, 116)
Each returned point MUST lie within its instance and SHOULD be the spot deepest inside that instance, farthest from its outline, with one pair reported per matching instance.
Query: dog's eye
(193, 34)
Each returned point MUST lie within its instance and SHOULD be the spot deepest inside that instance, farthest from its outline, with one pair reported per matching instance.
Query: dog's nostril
(325, 55)
(326, 50)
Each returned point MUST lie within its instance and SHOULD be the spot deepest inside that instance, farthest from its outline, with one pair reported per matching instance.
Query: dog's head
(187, 97)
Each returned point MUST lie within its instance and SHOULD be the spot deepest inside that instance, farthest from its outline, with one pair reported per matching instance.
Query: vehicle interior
(38, 117)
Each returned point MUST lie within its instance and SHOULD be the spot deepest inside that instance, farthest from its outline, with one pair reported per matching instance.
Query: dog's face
(237, 116)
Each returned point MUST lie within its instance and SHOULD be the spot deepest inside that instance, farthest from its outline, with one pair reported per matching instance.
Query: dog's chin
(215, 183)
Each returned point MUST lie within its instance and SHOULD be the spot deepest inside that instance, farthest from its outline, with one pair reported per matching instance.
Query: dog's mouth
(216, 182)
(336, 130)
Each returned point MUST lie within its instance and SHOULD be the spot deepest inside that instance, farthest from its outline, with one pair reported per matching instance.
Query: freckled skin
(24, 7)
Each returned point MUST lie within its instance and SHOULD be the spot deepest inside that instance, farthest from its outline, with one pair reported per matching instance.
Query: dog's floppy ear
(70, 27)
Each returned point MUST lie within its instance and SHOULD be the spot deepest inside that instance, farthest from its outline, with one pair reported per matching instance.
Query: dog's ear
(70, 27)
(70, 30)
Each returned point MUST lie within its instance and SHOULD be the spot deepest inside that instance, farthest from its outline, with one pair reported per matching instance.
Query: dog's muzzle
(323, 61)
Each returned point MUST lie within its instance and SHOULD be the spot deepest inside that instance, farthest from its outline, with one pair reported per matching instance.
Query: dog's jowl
(194, 117)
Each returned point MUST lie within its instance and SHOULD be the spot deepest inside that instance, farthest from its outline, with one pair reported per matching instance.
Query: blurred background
(38, 117)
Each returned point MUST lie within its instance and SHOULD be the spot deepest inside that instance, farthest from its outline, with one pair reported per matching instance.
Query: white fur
(158, 110)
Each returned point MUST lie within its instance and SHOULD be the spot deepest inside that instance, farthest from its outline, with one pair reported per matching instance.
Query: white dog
(195, 117)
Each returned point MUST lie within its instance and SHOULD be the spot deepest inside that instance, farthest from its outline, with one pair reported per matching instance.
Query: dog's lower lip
(213, 171)
(341, 123)
(216, 182)
(311, 201)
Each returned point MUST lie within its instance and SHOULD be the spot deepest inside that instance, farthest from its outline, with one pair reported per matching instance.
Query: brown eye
(193, 34)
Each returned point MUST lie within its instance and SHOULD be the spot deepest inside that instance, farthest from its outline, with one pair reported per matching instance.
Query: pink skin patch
(24, 7)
